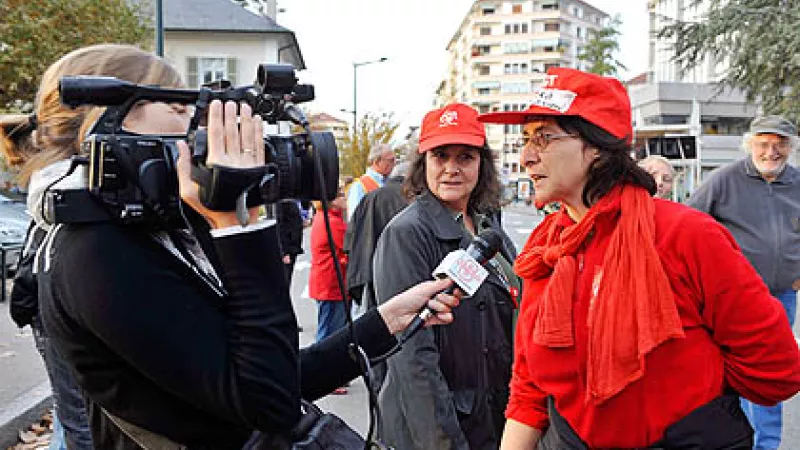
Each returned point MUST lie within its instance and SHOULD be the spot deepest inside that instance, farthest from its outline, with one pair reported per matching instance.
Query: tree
(35, 33)
(600, 49)
(372, 129)
(754, 41)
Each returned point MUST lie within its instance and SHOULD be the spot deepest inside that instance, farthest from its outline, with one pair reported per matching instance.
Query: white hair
(377, 151)
(747, 141)
(644, 163)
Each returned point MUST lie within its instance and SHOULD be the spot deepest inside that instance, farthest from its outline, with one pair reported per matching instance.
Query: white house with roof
(207, 40)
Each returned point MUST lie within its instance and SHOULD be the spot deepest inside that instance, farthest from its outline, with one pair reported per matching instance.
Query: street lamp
(159, 28)
(356, 65)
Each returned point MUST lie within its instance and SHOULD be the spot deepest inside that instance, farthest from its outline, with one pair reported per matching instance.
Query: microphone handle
(423, 316)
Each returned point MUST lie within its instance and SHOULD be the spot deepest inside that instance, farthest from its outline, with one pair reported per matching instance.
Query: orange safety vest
(369, 183)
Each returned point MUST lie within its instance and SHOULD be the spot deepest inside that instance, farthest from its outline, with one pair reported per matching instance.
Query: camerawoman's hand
(230, 144)
(401, 309)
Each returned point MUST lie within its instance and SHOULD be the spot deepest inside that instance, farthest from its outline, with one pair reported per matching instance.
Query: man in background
(758, 200)
(381, 160)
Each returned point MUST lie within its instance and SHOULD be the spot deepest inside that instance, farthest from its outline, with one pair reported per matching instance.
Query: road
(22, 375)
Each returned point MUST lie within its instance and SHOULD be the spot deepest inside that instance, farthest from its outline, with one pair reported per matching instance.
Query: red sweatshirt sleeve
(762, 360)
(527, 403)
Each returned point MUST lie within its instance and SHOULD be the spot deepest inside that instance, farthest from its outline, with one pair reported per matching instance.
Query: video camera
(132, 178)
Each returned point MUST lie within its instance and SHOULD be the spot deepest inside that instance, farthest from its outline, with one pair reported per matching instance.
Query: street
(23, 380)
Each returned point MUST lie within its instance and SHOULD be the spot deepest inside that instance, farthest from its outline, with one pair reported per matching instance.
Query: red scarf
(634, 311)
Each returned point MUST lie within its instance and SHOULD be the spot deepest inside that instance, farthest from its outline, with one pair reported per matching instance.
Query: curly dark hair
(484, 198)
(614, 164)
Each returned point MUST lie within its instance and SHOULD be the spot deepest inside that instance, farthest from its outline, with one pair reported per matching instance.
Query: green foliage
(755, 41)
(372, 129)
(600, 49)
(35, 33)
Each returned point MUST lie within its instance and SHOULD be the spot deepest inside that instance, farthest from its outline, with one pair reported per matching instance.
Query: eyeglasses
(783, 144)
(540, 141)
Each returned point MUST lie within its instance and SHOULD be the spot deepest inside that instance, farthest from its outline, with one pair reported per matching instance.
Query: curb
(24, 410)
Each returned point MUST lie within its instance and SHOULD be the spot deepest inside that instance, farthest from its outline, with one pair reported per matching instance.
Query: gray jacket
(763, 217)
(448, 387)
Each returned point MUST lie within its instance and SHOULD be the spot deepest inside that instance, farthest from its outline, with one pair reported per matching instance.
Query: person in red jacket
(641, 322)
(322, 283)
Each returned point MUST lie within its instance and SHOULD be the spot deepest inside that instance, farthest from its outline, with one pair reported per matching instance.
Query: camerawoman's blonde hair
(60, 129)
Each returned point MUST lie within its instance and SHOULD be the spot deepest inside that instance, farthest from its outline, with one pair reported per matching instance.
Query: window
(484, 91)
(552, 26)
(515, 88)
(514, 167)
(577, 11)
(516, 47)
(514, 107)
(484, 70)
(515, 68)
(486, 31)
(550, 66)
(487, 11)
(516, 28)
(480, 50)
(516, 9)
(200, 71)
(483, 109)
(550, 6)
(578, 32)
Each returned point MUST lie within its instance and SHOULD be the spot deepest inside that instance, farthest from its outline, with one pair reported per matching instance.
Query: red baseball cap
(603, 101)
(456, 123)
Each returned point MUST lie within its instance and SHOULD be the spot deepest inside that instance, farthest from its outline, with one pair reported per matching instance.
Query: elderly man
(381, 161)
(758, 200)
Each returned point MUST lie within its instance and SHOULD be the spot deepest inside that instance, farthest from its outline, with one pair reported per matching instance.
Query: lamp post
(356, 65)
(159, 28)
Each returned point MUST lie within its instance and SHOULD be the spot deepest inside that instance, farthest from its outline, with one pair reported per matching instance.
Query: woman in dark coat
(448, 387)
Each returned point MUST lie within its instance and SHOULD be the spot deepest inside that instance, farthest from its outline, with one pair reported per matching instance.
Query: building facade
(502, 50)
(208, 40)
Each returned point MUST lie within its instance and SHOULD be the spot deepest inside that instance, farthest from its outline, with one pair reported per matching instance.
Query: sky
(413, 36)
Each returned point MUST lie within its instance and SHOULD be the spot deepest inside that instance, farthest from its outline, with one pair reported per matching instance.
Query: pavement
(24, 387)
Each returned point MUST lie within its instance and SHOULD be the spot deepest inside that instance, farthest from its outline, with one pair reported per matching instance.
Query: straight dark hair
(484, 198)
(614, 164)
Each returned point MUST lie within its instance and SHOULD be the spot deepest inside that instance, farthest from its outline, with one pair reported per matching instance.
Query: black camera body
(132, 178)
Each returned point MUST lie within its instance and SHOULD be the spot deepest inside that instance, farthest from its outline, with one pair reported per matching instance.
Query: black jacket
(290, 227)
(448, 387)
(367, 222)
(153, 345)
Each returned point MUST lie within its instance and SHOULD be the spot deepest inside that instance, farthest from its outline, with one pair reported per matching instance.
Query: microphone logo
(463, 269)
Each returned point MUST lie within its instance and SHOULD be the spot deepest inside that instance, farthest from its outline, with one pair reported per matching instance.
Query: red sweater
(737, 336)
(322, 283)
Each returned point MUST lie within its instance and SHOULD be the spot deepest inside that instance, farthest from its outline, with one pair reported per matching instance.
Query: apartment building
(501, 51)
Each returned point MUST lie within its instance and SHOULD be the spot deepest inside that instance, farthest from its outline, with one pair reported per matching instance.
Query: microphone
(465, 268)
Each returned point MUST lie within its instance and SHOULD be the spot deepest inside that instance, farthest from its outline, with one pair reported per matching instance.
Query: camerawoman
(161, 288)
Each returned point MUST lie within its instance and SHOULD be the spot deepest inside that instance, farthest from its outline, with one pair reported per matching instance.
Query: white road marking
(524, 230)
(305, 293)
(301, 265)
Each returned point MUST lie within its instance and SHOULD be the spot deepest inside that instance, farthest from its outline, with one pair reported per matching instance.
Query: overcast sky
(413, 35)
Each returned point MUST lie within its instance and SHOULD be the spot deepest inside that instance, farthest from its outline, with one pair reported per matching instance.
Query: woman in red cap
(448, 387)
(641, 322)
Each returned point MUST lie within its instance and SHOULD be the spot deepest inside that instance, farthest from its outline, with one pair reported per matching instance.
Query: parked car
(14, 220)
